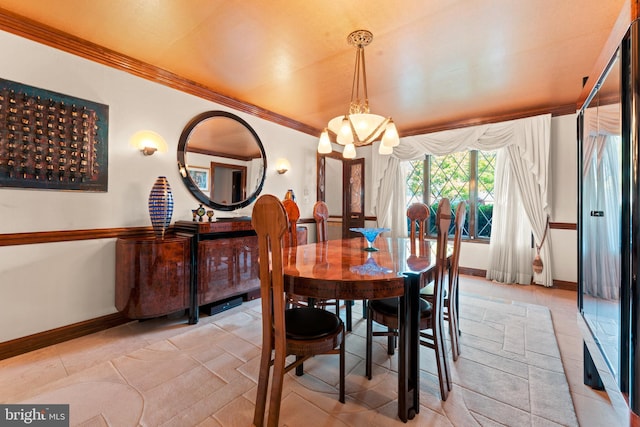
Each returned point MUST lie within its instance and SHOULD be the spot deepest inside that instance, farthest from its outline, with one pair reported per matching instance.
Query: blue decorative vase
(160, 206)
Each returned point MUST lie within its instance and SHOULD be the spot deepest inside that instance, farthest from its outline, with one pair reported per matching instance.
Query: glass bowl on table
(370, 235)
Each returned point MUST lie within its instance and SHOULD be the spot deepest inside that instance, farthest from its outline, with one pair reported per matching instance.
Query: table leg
(408, 354)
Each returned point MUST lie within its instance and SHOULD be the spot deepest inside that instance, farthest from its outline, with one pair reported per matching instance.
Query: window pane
(450, 176)
(486, 168)
(415, 181)
(415, 184)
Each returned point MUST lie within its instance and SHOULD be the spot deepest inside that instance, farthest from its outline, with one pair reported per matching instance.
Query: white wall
(46, 286)
(564, 196)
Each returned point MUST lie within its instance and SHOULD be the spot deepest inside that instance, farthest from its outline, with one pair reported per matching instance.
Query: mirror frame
(186, 177)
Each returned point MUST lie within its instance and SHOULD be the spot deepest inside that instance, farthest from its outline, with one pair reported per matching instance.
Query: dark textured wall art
(52, 141)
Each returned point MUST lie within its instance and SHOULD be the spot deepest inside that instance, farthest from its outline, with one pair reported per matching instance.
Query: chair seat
(308, 323)
(427, 292)
(389, 306)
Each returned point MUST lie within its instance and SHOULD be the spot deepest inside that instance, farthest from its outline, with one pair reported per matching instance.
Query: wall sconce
(148, 142)
(282, 166)
(148, 151)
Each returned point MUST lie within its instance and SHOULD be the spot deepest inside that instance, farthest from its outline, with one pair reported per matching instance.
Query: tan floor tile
(238, 413)
(210, 422)
(225, 366)
(81, 353)
(149, 367)
(162, 328)
(167, 400)
(242, 349)
(571, 347)
(237, 320)
(118, 404)
(594, 412)
(22, 374)
(201, 411)
(206, 334)
(297, 411)
(565, 324)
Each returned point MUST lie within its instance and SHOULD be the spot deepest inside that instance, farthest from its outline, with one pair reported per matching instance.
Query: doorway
(340, 184)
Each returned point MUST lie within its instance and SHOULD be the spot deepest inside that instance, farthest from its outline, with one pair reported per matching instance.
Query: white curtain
(510, 248)
(530, 165)
(530, 140)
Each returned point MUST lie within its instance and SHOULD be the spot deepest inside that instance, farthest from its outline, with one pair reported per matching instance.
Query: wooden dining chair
(450, 304)
(321, 217)
(303, 332)
(293, 215)
(385, 311)
(291, 241)
(418, 215)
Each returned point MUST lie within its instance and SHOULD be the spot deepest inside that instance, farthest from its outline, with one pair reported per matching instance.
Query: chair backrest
(321, 215)
(461, 211)
(418, 214)
(293, 215)
(443, 221)
(269, 220)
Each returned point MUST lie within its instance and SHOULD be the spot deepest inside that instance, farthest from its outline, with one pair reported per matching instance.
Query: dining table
(344, 269)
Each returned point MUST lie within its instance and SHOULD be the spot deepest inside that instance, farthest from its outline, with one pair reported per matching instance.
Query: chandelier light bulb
(390, 137)
(345, 136)
(324, 146)
(349, 151)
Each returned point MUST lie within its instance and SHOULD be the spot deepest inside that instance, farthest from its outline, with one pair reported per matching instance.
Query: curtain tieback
(537, 262)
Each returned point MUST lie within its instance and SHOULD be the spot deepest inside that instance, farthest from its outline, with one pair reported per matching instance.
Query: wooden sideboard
(199, 264)
(224, 261)
(152, 275)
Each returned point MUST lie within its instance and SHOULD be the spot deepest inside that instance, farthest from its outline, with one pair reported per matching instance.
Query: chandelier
(359, 127)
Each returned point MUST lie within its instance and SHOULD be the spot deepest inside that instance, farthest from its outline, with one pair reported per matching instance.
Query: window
(467, 175)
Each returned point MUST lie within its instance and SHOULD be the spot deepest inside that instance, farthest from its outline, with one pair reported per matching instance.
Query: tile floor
(21, 375)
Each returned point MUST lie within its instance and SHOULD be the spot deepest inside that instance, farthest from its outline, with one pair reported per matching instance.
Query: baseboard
(58, 335)
(559, 284)
(477, 272)
(563, 284)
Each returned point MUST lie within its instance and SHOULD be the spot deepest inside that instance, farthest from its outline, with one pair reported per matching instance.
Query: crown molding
(57, 39)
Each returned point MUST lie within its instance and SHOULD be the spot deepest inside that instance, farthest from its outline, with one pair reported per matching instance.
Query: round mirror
(221, 160)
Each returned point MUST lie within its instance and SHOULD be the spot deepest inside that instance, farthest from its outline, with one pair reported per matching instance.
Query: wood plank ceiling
(432, 64)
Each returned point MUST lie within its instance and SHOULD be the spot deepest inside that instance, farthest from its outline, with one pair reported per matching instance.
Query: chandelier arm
(356, 138)
(369, 139)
